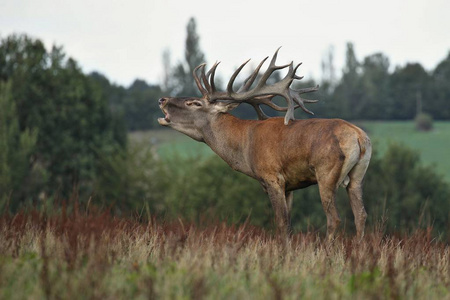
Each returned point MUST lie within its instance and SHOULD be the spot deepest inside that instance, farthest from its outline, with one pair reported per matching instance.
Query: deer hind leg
(354, 191)
(328, 197)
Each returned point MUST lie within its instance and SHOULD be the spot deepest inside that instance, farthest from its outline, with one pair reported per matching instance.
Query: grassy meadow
(169, 142)
(89, 255)
(433, 146)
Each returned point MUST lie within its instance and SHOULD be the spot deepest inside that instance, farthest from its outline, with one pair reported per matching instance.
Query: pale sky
(125, 40)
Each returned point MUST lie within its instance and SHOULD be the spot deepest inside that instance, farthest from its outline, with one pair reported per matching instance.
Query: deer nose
(162, 101)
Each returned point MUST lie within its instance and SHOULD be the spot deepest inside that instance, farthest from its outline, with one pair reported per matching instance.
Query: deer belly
(299, 176)
(299, 185)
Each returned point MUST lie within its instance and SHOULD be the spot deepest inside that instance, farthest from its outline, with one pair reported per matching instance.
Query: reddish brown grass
(84, 250)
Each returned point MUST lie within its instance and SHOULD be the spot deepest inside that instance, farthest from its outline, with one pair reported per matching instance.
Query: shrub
(412, 194)
(424, 122)
(397, 186)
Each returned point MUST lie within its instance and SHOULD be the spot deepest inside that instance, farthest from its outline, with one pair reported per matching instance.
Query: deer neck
(228, 137)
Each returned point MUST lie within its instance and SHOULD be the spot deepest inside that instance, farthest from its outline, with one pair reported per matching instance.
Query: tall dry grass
(81, 255)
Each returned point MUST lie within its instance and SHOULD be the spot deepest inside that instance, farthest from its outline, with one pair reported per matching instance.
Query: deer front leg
(289, 198)
(278, 199)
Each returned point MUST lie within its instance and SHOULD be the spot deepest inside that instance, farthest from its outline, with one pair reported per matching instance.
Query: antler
(262, 93)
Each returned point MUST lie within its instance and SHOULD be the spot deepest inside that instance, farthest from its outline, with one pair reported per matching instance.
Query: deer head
(189, 115)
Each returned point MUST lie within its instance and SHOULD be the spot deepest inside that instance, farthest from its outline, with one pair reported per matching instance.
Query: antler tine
(308, 90)
(295, 95)
(290, 76)
(272, 68)
(233, 78)
(213, 69)
(309, 100)
(205, 80)
(211, 73)
(249, 81)
(267, 100)
(197, 80)
(295, 71)
(260, 112)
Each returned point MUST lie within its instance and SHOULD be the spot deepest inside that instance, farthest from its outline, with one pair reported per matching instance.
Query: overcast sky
(125, 39)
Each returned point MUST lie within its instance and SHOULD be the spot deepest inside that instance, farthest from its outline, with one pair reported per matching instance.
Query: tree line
(370, 89)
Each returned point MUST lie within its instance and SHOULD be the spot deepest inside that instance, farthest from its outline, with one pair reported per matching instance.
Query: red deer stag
(282, 156)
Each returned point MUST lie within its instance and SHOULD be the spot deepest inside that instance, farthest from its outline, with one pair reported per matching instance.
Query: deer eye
(196, 103)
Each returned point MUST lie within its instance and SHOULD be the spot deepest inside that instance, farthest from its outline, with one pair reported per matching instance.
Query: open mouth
(164, 121)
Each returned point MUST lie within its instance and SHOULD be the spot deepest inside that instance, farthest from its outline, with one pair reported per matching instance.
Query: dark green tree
(137, 105)
(328, 71)
(438, 104)
(141, 106)
(112, 92)
(409, 86)
(348, 93)
(167, 81)
(67, 108)
(375, 100)
(16, 147)
(193, 55)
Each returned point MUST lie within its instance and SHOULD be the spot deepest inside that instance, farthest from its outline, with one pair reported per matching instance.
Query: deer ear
(226, 107)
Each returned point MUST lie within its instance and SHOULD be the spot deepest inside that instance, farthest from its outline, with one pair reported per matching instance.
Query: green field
(168, 142)
(433, 146)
